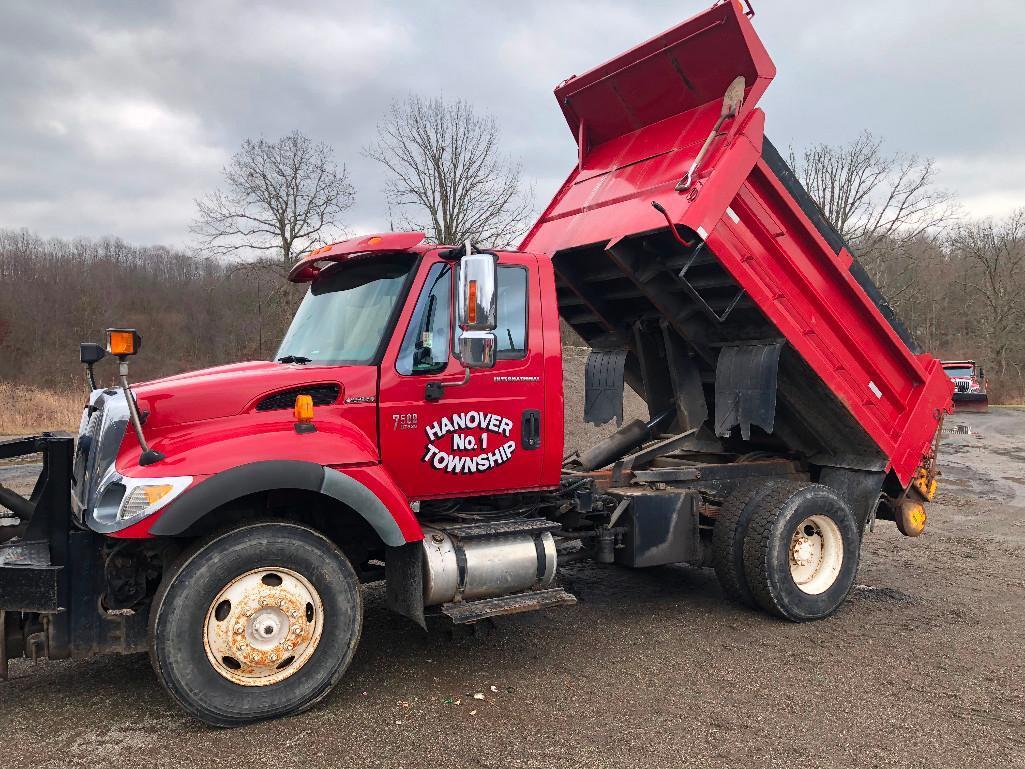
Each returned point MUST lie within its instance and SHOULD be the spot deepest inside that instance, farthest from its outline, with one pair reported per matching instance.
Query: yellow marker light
(374, 240)
(911, 518)
(303, 409)
(123, 341)
(471, 303)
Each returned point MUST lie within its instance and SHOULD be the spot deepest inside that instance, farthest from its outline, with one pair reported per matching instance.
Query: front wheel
(257, 622)
(801, 552)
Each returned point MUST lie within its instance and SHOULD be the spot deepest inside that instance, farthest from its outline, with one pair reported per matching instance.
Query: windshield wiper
(294, 359)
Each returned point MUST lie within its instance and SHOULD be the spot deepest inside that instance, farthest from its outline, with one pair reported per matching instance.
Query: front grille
(88, 440)
(85, 457)
(103, 429)
(322, 395)
(962, 387)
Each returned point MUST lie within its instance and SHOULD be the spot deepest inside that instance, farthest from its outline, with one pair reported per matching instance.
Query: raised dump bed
(793, 347)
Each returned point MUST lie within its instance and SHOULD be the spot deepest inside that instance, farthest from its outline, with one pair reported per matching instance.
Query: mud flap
(603, 386)
(861, 489)
(403, 573)
(745, 387)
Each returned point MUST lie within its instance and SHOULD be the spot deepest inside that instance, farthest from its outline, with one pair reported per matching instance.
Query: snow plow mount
(33, 552)
(52, 571)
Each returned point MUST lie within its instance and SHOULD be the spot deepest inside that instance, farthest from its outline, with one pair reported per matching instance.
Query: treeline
(960, 289)
(192, 311)
(962, 294)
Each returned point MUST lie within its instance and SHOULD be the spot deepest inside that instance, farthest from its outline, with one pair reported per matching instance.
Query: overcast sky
(115, 116)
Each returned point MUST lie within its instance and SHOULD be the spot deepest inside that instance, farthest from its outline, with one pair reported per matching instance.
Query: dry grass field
(29, 409)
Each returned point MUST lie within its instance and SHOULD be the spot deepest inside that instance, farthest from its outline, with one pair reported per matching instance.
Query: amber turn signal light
(471, 303)
(123, 341)
(303, 409)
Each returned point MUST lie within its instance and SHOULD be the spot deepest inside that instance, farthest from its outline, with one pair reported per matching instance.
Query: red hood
(229, 390)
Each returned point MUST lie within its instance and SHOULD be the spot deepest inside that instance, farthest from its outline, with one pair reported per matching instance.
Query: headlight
(121, 501)
(144, 496)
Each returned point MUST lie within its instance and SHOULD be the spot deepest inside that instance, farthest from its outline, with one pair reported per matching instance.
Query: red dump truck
(410, 428)
(970, 388)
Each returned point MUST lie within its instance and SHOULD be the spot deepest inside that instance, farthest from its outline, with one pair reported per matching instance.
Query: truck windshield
(345, 315)
(959, 373)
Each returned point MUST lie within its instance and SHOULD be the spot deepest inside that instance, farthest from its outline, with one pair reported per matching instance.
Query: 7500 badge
(469, 442)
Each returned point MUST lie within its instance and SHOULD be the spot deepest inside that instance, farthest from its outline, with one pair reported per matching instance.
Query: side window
(425, 347)
(512, 313)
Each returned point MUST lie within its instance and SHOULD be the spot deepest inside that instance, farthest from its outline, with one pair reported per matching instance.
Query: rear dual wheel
(790, 548)
(255, 623)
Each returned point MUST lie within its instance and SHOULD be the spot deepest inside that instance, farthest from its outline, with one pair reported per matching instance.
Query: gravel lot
(922, 667)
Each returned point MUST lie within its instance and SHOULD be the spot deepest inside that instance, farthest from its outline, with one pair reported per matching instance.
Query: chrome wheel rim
(816, 554)
(263, 626)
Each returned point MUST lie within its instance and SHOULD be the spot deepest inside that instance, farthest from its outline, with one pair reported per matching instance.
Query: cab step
(464, 612)
(499, 528)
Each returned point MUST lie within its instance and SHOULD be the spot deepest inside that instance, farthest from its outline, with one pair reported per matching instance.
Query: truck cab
(970, 389)
(375, 346)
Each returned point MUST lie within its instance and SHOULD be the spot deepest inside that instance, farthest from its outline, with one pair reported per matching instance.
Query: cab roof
(307, 268)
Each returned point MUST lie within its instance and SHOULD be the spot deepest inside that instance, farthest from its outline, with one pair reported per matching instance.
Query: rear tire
(257, 622)
(728, 539)
(801, 552)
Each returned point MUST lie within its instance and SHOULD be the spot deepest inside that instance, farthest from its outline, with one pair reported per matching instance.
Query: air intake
(323, 395)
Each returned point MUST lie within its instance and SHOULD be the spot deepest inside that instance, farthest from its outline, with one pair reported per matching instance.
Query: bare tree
(994, 256)
(283, 196)
(446, 174)
(879, 202)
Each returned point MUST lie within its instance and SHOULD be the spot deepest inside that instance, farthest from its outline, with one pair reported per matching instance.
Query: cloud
(989, 185)
(117, 115)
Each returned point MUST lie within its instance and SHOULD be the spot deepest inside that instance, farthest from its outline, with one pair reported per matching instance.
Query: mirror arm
(435, 391)
(148, 456)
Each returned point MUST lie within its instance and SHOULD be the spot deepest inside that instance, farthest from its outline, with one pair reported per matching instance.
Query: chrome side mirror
(477, 349)
(477, 309)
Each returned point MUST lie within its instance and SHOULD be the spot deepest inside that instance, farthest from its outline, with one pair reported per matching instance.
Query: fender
(271, 475)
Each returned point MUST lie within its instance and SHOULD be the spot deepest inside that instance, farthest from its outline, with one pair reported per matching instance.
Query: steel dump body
(760, 267)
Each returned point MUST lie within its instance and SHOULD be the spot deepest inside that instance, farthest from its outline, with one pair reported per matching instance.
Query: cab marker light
(304, 415)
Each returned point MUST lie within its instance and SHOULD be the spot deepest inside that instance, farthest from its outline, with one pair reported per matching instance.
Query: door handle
(530, 431)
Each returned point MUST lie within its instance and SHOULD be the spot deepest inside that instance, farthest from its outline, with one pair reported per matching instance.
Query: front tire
(801, 552)
(257, 622)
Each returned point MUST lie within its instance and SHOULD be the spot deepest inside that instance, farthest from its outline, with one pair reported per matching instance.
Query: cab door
(480, 437)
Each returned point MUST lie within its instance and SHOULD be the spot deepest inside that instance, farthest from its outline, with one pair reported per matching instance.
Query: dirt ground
(922, 667)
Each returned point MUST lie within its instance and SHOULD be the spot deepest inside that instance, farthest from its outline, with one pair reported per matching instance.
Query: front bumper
(971, 401)
(33, 578)
(32, 561)
(52, 571)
